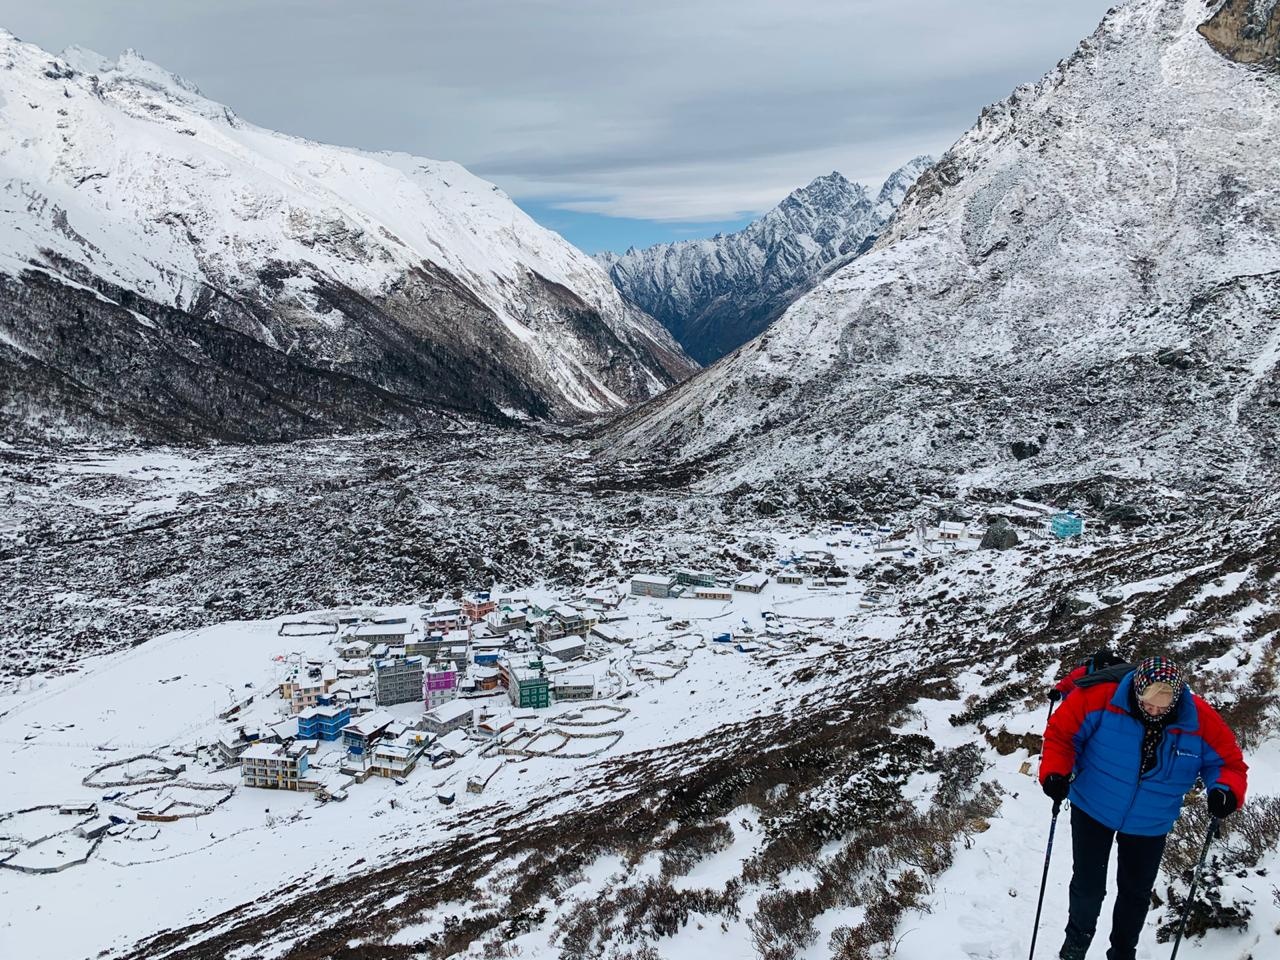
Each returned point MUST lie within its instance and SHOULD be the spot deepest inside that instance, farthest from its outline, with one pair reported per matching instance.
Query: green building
(529, 689)
(695, 578)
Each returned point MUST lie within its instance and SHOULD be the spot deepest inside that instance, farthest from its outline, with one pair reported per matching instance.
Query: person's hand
(1222, 802)
(1056, 787)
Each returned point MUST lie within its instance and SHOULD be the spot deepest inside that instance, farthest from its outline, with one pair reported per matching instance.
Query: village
(270, 738)
(475, 676)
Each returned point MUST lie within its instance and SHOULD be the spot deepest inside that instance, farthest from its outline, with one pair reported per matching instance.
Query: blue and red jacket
(1095, 736)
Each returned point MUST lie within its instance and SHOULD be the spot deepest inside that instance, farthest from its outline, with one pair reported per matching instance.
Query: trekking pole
(1195, 879)
(1044, 879)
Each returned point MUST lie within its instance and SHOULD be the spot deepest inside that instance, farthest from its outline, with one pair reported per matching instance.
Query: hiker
(1126, 752)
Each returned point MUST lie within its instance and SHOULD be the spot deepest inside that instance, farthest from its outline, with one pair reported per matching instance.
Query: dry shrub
(639, 912)
(923, 843)
(1250, 710)
(783, 924)
(691, 843)
(1246, 837)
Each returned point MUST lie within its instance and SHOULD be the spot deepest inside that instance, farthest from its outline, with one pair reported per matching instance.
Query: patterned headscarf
(1158, 670)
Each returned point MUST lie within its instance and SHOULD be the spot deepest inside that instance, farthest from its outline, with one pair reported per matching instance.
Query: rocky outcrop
(1246, 31)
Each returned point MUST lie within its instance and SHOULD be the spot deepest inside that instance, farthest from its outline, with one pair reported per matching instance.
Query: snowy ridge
(1080, 285)
(718, 293)
(130, 174)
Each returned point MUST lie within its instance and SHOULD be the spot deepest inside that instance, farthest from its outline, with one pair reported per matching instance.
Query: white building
(712, 593)
(652, 585)
(565, 648)
(454, 715)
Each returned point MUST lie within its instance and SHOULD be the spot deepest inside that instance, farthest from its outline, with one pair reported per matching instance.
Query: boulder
(999, 536)
(1126, 515)
(1024, 449)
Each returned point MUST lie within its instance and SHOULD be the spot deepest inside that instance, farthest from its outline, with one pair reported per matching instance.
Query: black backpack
(1102, 667)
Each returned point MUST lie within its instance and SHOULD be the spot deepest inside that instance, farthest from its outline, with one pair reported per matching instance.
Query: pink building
(439, 686)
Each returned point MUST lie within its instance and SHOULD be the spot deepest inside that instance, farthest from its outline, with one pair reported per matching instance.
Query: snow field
(165, 695)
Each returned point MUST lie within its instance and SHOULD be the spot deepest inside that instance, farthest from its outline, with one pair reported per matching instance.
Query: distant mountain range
(171, 272)
(716, 294)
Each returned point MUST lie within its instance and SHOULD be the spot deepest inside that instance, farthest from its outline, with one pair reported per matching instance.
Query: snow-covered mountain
(171, 271)
(1086, 284)
(714, 295)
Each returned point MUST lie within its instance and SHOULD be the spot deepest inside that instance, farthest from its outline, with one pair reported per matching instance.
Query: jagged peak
(834, 177)
(833, 181)
(85, 60)
(133, 66)
(901, 180)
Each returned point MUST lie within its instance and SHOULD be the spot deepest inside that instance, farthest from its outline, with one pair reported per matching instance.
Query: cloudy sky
(612, 121)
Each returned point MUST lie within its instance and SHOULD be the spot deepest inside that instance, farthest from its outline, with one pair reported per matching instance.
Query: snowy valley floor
(863, 783)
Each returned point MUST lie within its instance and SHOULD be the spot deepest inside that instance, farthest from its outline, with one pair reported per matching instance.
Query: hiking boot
(1072, 950)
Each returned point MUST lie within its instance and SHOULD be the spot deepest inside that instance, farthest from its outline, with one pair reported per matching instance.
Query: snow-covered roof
(286, 729)
(563, 644)
(455, 741)
(450, 711)
(263, 751)
(653, 580)
(370, 723)
(321, 712)
(382, 630)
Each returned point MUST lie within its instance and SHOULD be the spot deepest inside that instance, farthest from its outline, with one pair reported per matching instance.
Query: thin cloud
(666, 110)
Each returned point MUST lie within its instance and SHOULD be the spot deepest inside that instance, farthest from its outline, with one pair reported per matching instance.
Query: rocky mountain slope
(1084, 285)
(169, 271)
(714, 295)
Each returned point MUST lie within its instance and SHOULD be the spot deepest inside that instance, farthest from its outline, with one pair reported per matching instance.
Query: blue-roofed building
(1068, 524)
(323, 723)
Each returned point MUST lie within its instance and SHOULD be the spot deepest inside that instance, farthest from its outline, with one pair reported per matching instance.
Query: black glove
(1056, 787)
(1222, 802)
(1055, 695)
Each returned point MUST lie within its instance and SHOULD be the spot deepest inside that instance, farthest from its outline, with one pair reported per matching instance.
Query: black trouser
(1137, 862)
